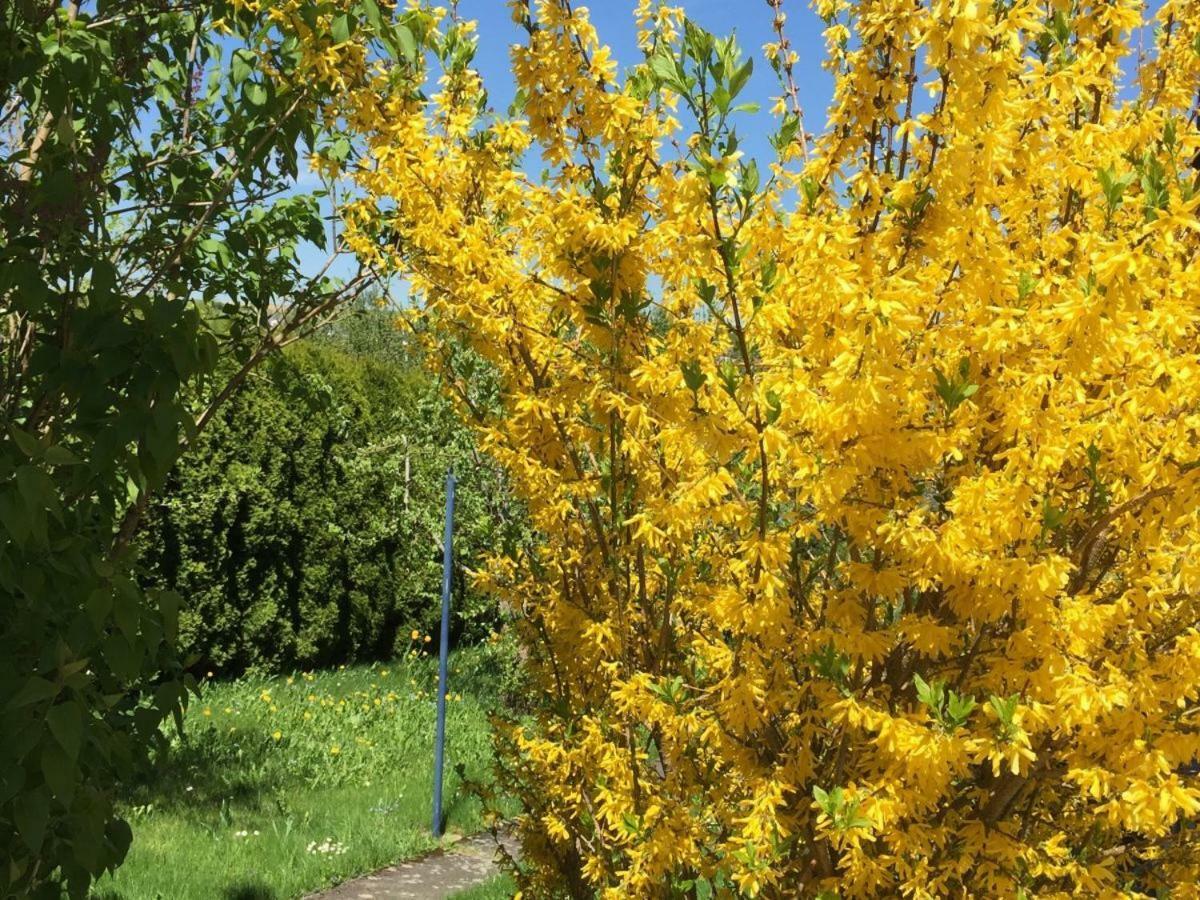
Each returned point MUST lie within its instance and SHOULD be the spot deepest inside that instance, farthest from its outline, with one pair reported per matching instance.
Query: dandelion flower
(278, 735)
(335, 750)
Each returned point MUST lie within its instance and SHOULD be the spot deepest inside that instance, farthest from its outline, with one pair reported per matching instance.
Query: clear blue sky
(749, 19)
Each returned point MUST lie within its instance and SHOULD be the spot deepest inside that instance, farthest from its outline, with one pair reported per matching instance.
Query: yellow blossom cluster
(866, 485)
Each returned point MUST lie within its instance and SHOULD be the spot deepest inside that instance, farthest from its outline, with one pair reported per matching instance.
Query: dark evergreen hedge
(292, 531)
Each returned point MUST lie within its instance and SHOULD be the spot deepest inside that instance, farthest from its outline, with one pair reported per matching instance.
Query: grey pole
(439, 748)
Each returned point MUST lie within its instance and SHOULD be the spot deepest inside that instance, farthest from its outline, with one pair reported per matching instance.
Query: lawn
(499, 888)
(283, 785)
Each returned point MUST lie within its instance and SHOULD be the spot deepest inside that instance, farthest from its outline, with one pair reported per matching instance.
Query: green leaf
(14, 518)
(1053, 518)
(59, 455)
(749, 180)
(256, 94)
(740, 77)
(788, 129)
(35, 690)
(954, 391)
(120, 835)
(65, 721)
(31, 814)
(123, 659)
(1113, 186)
(159, 70)
(59, 771)
(371, 13)
(25, 442)
(242, 65)
(1025, 285)
(99, 605)
(693, 376)
(169, 604)
(924, 694)
(339, 150)
(128, 612)
(666, 69)
(340, 29)
(721, 99)
(406, 42)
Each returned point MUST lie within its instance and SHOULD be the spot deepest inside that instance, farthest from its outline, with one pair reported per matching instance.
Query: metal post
(439, 749)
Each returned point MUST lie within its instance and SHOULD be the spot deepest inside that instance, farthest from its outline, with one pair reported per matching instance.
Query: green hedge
(292, 531)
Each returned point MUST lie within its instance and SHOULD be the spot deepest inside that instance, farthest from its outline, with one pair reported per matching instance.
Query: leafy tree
(304, 527)
(866, 482)
(148, 237)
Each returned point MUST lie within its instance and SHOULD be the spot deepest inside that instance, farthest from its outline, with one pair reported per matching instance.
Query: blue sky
(749, 19)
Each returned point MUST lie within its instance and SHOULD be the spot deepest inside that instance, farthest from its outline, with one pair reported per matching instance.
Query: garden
(822, 388)
(287, 784)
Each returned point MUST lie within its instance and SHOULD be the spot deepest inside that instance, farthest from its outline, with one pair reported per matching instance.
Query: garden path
(442, 874)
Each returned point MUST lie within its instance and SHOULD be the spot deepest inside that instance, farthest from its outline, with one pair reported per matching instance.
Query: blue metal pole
(439, 748)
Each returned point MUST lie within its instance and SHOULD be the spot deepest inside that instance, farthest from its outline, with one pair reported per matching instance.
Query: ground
(281, 786)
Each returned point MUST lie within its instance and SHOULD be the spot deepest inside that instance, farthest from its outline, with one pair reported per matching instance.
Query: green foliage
(842, 811)
(499, 888)
(144, 237)
(305, 527)
(955, 390)
(948, 707)
(1006, 710)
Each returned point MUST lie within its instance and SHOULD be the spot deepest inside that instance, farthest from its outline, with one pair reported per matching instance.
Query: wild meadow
(281, 785)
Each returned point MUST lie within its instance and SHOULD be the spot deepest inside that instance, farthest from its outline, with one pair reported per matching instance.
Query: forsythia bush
(867, 481)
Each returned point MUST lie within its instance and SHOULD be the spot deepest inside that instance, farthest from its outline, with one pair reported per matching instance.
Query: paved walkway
(440, 875)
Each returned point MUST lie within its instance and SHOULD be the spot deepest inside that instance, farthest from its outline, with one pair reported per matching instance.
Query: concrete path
(440, 875)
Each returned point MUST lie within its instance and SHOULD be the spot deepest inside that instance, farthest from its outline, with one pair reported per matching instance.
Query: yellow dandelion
(335, 750)
(278, 735)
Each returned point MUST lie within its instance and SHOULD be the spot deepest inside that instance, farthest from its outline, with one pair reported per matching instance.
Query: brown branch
(785, 62)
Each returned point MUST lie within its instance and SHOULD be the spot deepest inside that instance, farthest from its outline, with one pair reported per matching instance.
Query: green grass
(284, 785)
(499, 888)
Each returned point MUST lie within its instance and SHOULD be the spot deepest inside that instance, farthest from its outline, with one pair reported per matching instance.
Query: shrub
(148, 155)
(304, 528)
(866, 482)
